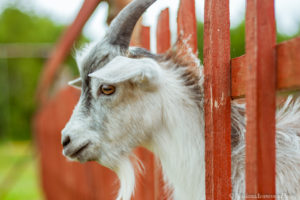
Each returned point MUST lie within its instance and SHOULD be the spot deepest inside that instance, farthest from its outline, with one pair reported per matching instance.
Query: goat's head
(111, 118)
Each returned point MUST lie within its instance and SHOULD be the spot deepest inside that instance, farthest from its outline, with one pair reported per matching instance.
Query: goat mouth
(79, 150)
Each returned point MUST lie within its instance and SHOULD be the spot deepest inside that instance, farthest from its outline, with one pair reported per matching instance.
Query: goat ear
(76, 83)
(144, 71)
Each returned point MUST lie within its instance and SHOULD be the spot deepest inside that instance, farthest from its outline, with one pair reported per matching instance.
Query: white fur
(122, 69)
(180, 143)
(159, 105)
(169, 122)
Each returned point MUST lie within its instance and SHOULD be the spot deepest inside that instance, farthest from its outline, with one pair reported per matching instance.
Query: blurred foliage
(18, 172)
(19, 76)
(237, 39)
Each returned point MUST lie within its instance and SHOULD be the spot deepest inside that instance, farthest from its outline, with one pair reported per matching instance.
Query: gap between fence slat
(217, 99)
(260, 98)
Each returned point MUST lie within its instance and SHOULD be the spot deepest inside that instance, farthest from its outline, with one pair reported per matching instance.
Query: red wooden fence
(265, 68)
(217, 99)
(260, 97)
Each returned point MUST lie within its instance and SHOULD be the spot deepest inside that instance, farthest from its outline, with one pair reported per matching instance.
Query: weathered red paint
(187, 29)
(260, 98)
(217, 99)
(63, 48)
(238, 77)
(163, 35)
(145, 37)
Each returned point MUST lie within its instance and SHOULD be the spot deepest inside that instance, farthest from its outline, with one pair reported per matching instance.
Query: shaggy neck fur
(180, 144)
(177, 139)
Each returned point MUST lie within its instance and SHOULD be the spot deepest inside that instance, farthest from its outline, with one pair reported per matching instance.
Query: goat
(131, 97)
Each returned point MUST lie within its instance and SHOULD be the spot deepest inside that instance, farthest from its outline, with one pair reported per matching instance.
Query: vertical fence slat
(260, 97)
(163, 35)
(187, 24)
(217, 99)
(145, 37)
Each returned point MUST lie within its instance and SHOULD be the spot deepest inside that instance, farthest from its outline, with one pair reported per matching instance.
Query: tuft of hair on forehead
(94, 56)
(82, 53)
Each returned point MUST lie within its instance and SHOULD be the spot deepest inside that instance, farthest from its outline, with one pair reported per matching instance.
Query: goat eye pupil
(107, 89)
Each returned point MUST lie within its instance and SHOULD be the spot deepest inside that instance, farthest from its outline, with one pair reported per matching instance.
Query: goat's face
(111, 117)
(117, 111)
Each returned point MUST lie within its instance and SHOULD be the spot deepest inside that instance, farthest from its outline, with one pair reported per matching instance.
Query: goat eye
(107, 89)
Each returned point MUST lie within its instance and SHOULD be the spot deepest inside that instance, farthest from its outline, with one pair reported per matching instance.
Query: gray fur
(287, 150)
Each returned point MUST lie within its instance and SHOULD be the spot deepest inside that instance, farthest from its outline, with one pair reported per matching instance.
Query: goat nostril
(66, 141)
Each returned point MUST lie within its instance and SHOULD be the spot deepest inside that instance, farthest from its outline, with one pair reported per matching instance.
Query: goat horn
(121, 28)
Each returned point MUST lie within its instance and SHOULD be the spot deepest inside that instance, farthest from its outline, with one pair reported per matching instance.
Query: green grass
(19, 178)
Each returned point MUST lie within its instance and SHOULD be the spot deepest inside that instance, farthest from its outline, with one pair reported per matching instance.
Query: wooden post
(217, 99)
(145, 37)
(187, 24)
(163, 35)
(260, 98)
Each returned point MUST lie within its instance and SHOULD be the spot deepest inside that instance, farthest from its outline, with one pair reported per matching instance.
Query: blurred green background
(25, 42)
